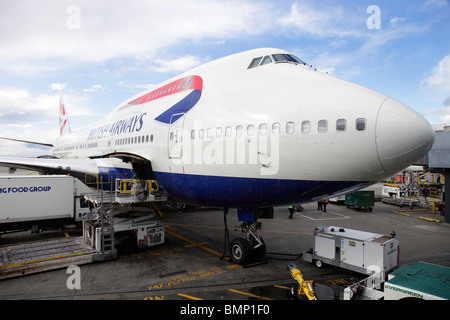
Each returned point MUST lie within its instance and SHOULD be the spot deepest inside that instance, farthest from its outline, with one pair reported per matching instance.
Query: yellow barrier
(129, 185)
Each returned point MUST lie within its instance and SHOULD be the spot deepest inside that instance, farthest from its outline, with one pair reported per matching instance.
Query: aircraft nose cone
(402, 136)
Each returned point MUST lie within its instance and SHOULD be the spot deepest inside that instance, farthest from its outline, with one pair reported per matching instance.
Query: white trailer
(363, 252)
(35, 202)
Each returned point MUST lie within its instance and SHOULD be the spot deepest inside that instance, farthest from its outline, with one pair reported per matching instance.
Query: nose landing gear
(251, 248)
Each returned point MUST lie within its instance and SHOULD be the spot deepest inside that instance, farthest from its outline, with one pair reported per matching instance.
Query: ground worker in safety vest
(291, 210)
(324, 203)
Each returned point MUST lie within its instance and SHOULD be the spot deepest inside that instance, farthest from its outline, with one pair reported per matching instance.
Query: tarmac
(193, 262)
(190, 265)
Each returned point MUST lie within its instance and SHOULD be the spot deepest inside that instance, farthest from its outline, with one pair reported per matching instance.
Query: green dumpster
(361, 199)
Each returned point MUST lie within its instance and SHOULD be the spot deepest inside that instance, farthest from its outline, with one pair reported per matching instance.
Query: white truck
(38, 202)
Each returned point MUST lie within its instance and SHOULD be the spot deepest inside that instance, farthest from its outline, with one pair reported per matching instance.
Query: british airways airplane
(251, 131)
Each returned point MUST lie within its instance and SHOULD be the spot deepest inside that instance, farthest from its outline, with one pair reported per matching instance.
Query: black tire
(240, 251)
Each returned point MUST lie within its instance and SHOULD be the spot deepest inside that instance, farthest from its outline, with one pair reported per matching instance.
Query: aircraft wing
(75, 167)
(27, 141)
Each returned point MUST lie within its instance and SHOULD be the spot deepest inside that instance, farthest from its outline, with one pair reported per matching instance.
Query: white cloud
(306, 19)
(396, 20)
(442, 114)
(435, 3)
(440, 76)
(131, 86)
(19, 105)
(35, 36)
(34, 117)
(351, 44)
(28, 117)
(177, 65)
(58, 86)
(94, 88)
(27, 132)
(339, 43)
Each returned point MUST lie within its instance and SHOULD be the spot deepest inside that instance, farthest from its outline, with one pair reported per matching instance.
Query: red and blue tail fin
(64, 127)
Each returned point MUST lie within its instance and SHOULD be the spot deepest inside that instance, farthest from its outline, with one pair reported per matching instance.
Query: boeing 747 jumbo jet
(250, 131)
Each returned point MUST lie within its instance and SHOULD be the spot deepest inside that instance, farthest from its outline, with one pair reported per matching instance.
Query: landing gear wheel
(240, 251)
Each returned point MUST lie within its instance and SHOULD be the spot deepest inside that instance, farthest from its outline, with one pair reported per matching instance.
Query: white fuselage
(275, 133)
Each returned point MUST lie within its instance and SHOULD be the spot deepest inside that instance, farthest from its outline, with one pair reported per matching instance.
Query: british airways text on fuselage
(130, 125)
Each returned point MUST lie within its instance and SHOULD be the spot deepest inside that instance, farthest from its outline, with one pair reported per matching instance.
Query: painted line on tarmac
(341, 216)
(249, 294)
(195, 244)
(189, 297)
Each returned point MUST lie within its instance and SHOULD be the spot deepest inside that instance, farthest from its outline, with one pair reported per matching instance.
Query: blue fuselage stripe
(219, 191)
(182, 106)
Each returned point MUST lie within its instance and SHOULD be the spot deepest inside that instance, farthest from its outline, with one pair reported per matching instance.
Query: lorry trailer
(40, 202)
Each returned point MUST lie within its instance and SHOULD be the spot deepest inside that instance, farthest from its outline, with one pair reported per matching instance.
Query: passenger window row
(263, 129)
(134, 140)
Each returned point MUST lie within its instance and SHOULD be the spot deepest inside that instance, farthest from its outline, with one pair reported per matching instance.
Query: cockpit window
(286, 58)
(277, 58)
(254, 63)
(266, 60)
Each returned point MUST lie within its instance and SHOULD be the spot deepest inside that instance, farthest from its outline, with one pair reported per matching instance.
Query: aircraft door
(263, 145)
(175, 138)
(268, 148)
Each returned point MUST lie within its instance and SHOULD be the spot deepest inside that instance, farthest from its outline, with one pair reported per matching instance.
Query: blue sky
(100, 53)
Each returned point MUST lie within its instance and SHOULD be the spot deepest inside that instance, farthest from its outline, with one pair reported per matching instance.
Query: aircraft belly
(223, 191)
